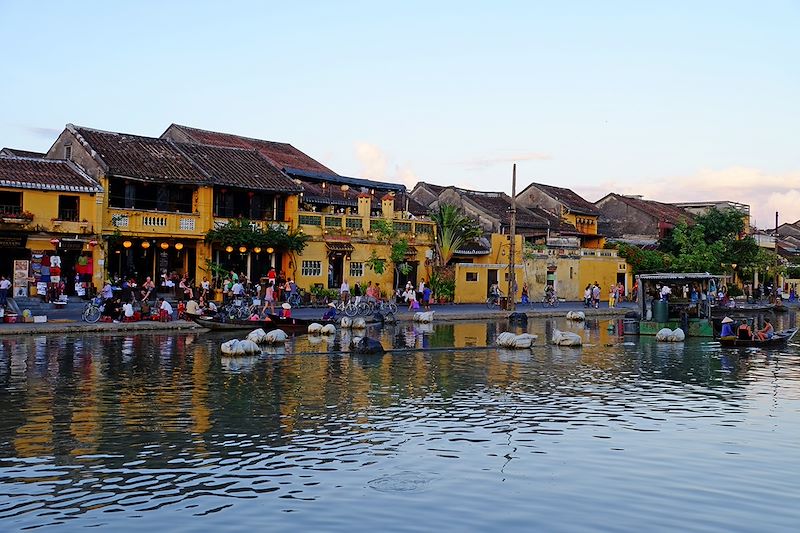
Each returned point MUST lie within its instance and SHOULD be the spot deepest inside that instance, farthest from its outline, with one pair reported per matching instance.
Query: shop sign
(71, 245)
(13, 241)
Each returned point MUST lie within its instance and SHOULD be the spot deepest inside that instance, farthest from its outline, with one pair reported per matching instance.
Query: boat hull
(289, 325)
(779, 339)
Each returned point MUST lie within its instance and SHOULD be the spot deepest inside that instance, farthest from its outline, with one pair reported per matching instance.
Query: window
(68, 208)
(472, 276)
(10, 203)
(67, 151)
(311, 268)
(356, 270)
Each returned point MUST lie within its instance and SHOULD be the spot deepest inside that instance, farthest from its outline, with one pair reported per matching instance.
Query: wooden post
(512, 249)
(775, 299)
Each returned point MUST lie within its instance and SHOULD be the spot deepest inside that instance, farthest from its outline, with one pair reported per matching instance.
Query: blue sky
(672, 100)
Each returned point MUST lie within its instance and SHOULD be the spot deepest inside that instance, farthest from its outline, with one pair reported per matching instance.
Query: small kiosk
(687, 304)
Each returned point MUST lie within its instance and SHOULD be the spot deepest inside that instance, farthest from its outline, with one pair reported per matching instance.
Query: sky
(675, 101)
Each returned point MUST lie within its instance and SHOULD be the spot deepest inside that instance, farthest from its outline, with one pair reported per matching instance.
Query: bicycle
(91, 312)
(494, 300)
(349, 308)
(386, 307)
(294, 299)
(550, 300)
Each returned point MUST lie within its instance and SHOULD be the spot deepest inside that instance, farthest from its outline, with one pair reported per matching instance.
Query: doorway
(335, 270)
(491, 279)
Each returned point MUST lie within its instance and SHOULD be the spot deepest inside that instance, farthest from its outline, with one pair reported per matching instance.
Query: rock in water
(359, 323)
(518, 318)
(314, 328)
(366, 346)
(328, 329)
(566, 338)
(258, 336)
(276, 336)
(346, 322)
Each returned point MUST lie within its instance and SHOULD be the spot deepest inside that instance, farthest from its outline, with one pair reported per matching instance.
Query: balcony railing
(68, 215)
(8, 210)
(150, 222)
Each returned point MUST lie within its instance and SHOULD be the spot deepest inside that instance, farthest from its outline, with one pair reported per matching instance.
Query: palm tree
(453, 230)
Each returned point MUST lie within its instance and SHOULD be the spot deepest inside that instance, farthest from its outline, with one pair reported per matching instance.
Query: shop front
(139, 258)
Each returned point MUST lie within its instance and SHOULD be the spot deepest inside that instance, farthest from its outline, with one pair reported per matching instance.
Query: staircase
(39, 307)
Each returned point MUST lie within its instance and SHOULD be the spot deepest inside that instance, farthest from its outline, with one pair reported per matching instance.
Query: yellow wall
(46, 226)
(573, 272)
(477, 291)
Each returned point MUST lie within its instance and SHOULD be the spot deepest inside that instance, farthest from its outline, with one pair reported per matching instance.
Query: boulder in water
(424, 317)
(328, 329)
(359, 323)
(314, 328)
(276, 336)
(566, 338)
(345, 322)
(258, 336)
(366, 346)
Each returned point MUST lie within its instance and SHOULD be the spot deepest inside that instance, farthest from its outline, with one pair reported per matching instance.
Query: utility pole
(775, 284)
(512, 251)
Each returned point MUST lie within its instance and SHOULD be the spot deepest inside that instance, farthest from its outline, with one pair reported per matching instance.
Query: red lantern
(93, 243)
(54, 241)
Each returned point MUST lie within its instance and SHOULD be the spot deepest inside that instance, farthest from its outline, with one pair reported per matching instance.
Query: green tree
(453, 230)
(385, 232)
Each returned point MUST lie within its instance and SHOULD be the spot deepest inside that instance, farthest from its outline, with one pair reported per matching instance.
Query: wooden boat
(780, 338)
(289, 325)
(740, 309)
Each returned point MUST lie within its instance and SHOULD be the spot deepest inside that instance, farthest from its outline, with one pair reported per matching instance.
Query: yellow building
(571, 270)
(572, 208)
(49, 212)
(488, 266)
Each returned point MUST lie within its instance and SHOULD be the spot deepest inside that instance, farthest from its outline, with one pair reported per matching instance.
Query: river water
(623, 434)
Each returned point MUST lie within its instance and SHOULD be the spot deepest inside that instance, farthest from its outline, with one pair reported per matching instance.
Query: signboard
(74, 245)
(13, 241)
(21, 267)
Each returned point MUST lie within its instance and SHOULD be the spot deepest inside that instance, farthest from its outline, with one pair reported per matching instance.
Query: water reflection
(128, 425)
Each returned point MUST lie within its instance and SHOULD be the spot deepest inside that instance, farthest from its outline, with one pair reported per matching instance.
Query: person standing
(426, 298)
(596, 295)
(344, 291)
(525, 297)
(5, 284)
(612, 296)
(269, 299)
(357, 292)
(421, 289)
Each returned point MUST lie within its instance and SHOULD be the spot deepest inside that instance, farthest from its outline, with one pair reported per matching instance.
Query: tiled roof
(283, 155)
(144, 158)
(236, 167)
(45, 174)
(568, 198)
(499, 204)
(661, 211)
(14, 152)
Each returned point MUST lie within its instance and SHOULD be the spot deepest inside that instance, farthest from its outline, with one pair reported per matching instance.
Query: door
(335, 271)
(491, 280)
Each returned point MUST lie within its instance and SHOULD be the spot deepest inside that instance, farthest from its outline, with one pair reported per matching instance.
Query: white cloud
(375, 164)
(765, 193)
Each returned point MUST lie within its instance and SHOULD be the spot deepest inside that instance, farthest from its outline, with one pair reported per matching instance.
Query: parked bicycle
(92, 310)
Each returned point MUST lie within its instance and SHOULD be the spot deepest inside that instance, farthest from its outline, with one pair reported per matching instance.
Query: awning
(339, 247)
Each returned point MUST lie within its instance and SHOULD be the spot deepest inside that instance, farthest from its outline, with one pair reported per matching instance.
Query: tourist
(205, 287)
(164, 310)
(192, 307)
(269, 299)
(587, 295)
(727, 327)
(665, 292)
(112, 309)
(635, 292)
(286, 310)
(344, 291)
(107, 292)
(147, 288)
(426, 298)
(378, 295)
(411, 298)
(357, 293)
(186, 287)
(744, 332)
(612, 296)
(5, 284)
(237, 290)
(127, 311)
(620, 292)
(525, 298)
(421, 288)
(596, 295)
(766, 332)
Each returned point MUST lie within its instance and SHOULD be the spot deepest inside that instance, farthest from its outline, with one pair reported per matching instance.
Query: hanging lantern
(257, 249)
(229, 248)
(93, 243)
(179, 246)
(145, 244)
(164, 245)
(242, 249)
(127, 244)
(54, 241)
(270, 250)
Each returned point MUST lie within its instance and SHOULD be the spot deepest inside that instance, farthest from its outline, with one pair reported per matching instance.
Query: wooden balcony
(142, 223)
(318, 224)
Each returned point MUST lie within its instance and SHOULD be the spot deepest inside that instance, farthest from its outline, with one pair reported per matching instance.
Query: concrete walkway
(69, 320)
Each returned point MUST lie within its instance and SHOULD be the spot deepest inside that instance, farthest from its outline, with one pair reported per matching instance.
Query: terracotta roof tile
(45, 174)
(14, 152)
(144, 158)
(236, 167)
(569, 198)
(663, 212)
(283, 155)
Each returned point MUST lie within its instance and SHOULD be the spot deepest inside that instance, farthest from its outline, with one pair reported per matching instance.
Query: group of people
(744, 331)
(591, 295)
